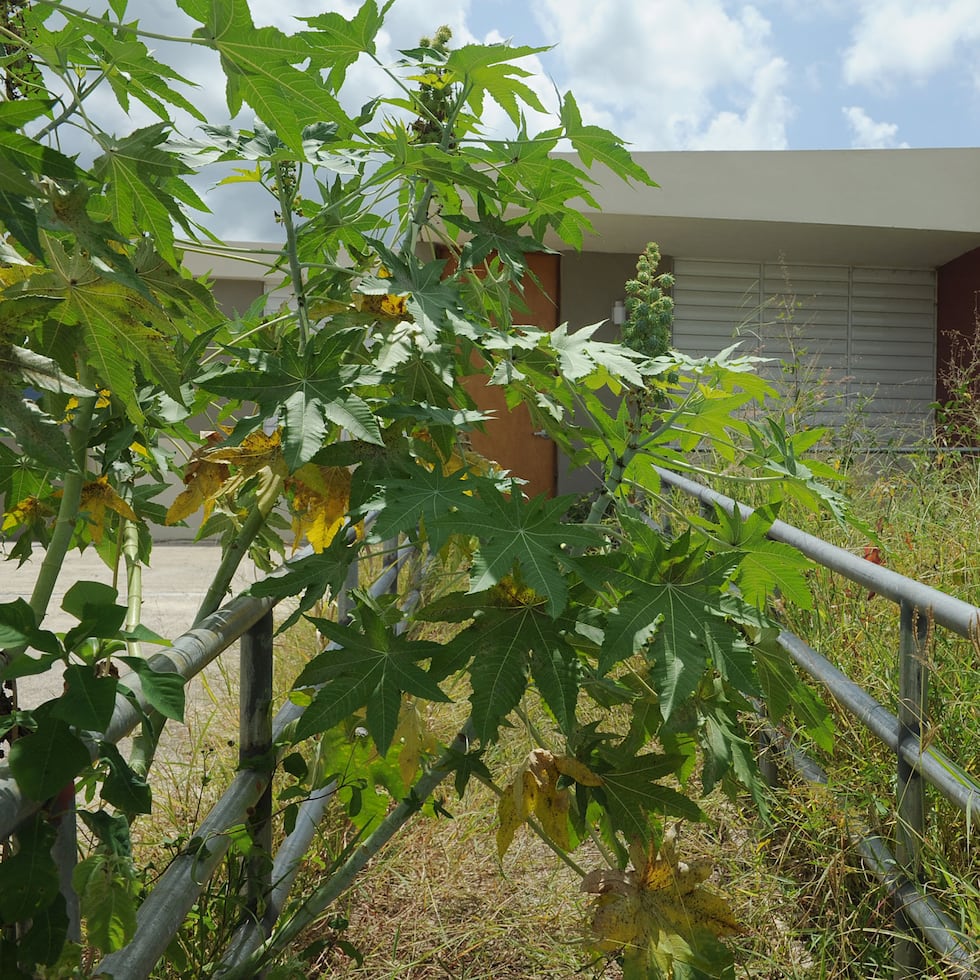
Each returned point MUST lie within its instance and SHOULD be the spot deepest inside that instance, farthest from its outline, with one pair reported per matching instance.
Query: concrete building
(855, 270)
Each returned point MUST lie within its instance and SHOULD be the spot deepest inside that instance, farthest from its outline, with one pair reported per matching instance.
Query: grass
(438, 903)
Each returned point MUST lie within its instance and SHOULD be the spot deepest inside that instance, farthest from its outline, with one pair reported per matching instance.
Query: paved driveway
(173, 588)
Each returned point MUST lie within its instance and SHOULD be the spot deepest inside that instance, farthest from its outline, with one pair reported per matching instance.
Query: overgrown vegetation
(350, 403)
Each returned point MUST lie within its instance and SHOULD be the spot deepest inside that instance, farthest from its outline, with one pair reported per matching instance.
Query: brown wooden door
(509, 437)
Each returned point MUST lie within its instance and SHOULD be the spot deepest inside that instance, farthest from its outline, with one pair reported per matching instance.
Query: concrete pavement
(173, 587)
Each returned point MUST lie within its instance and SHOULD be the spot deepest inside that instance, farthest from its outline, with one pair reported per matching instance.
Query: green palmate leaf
(726, 747)
(557, 676)
(544, 185)
(419, 500)
(596, 145)
(736, 664)
(41, 437)
(135, 169)
(489, 70)
(634, 794)
(180, 294)
(373, 668)
(67, 209)
(511, 633)
(490, 234)
(32, 157)
(115, 327)
(765, 568)
(163, 689)
(129, 68)
(784, 691)
(259, 69)
(580, 356)
(529, 533)
(672, 609)
(88, 701)
(14, 113)
(313, 390)
(336, 42)
(48, 759)
(312, 575)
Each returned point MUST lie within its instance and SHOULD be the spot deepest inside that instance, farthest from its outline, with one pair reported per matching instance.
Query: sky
(697, 74)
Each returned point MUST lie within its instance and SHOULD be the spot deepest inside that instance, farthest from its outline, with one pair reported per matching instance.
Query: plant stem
(287, 198)
(236, 551)
(420, 214)
(68, 510)
(145, 744)
(118, 26)
(563, 856)
(134, 583)
(338, 883)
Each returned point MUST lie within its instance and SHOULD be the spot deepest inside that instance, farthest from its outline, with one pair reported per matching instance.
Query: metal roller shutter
(852, 348)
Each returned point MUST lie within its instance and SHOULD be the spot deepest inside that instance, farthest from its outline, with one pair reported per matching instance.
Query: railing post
(255, 751)
(913, 681)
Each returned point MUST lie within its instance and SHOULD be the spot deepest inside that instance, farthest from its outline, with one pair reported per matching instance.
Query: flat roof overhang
(895, 208)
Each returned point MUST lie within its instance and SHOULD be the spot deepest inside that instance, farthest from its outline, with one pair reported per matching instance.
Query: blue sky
(775, 74)
(719, 74)
(694, 74)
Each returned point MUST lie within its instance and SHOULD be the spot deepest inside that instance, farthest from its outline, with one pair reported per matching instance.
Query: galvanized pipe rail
(954, 614)
(166, 906)
(188, 656)
(917, 763)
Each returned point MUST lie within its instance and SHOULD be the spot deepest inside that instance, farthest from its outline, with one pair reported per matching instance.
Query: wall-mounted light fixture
(619, 313)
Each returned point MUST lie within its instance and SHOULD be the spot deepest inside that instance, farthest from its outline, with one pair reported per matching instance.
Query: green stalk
(237, 550)
(287, 198)
(145, 744)
(134, 583)
(421, 213)
(338, 883)
(68, 510)
(132, 28)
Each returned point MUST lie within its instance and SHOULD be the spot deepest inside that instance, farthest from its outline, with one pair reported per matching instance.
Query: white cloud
(673, 75)
(898, 40)
(868, 134)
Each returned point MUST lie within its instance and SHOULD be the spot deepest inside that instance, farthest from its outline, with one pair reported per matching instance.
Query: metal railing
(247, 800)
(918, 762)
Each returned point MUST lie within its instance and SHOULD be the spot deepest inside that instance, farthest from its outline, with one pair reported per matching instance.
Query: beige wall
(590, 284)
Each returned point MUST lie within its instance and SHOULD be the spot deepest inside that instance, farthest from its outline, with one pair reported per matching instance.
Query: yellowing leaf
(204, 481)
(27, 512)
(217, 471)
(256, 452)
(657, 906)
(97, 498)
(383, 305)
(535, 792)
(509, 818)
(570, 766)
(415, 739)
(321, 497)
